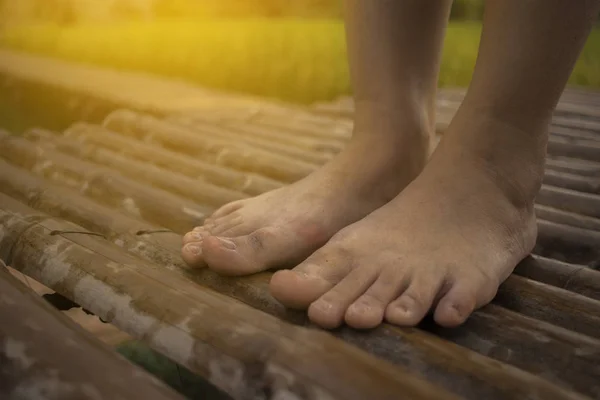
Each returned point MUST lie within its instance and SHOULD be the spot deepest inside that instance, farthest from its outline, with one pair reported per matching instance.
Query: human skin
(379, 234)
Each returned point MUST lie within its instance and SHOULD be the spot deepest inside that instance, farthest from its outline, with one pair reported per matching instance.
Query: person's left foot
(283, 227)
(445, 243)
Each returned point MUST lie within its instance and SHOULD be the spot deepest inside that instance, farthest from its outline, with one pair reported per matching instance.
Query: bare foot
(283, 227)
(445, 243)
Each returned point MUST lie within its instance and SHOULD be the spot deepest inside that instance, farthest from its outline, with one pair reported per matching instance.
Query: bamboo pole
(575, 245)
(572, 181)
(258, 139)
(204, 193)
(246, 353)
(576, 278)
(105, 186)
(551, 304)
(533, 339)
(567, 218)
(249, 183)
(133, 234)
(563, 132)
(296, 122)
(338, 131)
(338, 109)
(320, 145)
(585, 168)
(592, 125)
(570, 200)
(307, 123)
(46, 355)
(475, 375)
(575, 148)
(218, 151)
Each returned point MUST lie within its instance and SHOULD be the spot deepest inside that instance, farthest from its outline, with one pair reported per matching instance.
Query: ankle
(512, 157)
(398, 149)
(402, 134)
(383, 164)
(398, 123)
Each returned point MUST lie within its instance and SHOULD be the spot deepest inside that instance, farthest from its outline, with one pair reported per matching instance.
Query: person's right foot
(283, 227)
(444, 244)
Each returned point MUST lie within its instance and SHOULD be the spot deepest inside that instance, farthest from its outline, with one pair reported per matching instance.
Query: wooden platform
(95, 208)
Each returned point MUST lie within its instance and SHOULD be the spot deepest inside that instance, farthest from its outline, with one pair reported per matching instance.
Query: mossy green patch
(179, 378)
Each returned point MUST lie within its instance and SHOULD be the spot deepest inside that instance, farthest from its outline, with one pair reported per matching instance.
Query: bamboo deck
(44, 355)
(95, 198)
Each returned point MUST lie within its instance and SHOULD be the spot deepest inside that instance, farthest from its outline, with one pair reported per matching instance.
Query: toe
(453, 312)
(234, 231)
(227, 209)
(368, 311)
(242, 255)
(194, 236)
(466, 294)
(301, 286)
(226, 223)
(298, 290)
(191, 253)
(329, 310)
(412, 305)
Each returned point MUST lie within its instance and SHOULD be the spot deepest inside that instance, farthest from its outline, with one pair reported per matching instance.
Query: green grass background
(301, 60)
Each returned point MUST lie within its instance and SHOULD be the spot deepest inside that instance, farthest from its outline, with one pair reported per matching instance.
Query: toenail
(324, 306)
(198, 229)
(302, 274)
(197, 235)
(193, 249)
(404, 309)
(457, 310)
(228, 244)
(360, 308)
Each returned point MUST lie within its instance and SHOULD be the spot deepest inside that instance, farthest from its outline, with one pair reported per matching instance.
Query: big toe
(191, 253)
(243, 255)
(195, 236)
(300, 287)
(296, 289)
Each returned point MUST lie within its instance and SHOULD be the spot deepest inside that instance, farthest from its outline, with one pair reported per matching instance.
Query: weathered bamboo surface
(108, 195)
(208, 147)
(575, 278)
(44, 355)
(105, 185)
(159, 248)
(201, 329)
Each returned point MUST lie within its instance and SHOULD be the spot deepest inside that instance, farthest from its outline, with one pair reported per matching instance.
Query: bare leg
(394, 50)
(455, 233)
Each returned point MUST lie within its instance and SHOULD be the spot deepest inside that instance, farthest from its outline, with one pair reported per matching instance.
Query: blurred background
(290, 50)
